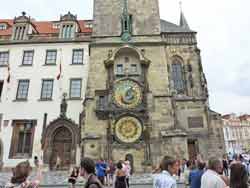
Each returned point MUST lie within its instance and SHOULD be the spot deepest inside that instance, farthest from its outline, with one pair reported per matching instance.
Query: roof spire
(183, 20)
(126, 23)
(125, 8)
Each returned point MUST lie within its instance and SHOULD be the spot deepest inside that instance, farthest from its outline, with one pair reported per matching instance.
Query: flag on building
(60, 72)
(8, 77)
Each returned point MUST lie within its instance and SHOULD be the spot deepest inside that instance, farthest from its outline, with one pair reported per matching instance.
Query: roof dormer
(3, 26)
(22, 27)
(69, 26)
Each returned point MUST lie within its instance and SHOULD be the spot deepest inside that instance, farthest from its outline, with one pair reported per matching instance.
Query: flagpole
(8, 82)
(60, 74)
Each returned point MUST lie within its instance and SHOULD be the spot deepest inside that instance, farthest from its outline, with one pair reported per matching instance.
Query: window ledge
(49, 64)
(75, 99)
(45, 100)
(24, 65)
(77, 64)
(20, 100)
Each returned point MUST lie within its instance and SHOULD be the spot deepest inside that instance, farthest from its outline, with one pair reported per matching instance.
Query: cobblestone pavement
(60, 179)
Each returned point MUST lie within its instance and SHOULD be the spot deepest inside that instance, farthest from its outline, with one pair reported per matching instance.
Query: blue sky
(223, 33)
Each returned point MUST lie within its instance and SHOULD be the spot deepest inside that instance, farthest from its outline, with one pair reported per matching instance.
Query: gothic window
(47, 90)
(22, 139)
(178, 76)
(51, 57)
(77, 56)
(28, 57)
(4, 58)
(75, 88)
(22, 90)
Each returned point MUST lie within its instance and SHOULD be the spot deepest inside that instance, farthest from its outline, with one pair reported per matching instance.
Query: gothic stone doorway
(59, 142)
(61, 148)
(130, 158)
(193, 148)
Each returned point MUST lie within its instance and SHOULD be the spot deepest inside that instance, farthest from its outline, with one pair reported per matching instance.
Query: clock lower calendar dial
(128, 129)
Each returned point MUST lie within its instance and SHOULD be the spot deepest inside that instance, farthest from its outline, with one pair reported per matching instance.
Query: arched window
(178, 76)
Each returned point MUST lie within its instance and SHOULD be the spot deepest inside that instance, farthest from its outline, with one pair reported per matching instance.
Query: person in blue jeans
(101, 167)
(195, 175)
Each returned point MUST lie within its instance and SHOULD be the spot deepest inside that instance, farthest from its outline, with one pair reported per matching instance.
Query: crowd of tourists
(215, 173)
(97, 173)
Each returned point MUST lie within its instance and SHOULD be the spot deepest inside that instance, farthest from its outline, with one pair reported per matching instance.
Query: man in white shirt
(165, 179)
(211, 178)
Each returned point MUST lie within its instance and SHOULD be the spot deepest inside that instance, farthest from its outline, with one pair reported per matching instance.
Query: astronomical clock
(128, 129)
(127, 94)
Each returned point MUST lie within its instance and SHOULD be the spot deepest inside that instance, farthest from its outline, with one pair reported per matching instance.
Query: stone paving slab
(60, 179)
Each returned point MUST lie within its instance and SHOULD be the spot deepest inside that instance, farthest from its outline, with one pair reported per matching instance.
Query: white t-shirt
(164, 180)
(211, 179)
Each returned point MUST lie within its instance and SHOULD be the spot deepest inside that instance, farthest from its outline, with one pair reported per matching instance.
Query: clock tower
(143, 14)
(146, 92)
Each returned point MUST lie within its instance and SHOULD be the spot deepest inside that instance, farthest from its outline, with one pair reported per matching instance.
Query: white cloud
(223, 32)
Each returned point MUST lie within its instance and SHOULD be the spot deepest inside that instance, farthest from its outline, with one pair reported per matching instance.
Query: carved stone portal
(59, 144)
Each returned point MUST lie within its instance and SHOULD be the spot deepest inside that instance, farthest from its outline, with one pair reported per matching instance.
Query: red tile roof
(245, 117)
(43, 27)
(9, 23)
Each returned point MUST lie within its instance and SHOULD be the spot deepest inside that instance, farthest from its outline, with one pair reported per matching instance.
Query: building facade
(236, 131)
(43, 75)
(147, 93)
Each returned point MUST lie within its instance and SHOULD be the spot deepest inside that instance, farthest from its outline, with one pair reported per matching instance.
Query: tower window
(178, 77)
(119, 69)
(125, 25)
(134, 68)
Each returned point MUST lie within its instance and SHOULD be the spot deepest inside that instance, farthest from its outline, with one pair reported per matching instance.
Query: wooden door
(130, 158)
(192, 149)
(62, 146)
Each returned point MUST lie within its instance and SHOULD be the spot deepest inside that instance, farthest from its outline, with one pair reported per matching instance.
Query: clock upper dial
(127, 94)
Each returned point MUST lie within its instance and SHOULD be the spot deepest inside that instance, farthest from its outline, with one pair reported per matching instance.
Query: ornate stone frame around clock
(112, 55)
(139, 112)
(109, 62)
